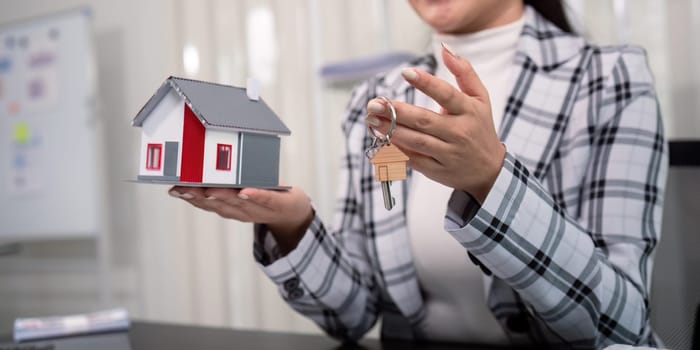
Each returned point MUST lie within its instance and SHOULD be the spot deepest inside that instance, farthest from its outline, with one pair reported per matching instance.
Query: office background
(168, 261)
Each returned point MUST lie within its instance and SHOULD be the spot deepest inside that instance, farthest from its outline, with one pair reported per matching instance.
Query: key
(389, 201)
(389, 162)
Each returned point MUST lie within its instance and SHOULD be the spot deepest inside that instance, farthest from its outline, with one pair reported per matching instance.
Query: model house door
(170, 158)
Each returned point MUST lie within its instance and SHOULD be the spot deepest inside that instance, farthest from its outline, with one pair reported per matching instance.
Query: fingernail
(211, 198)
(375, 107)
(243, 196)
(175, 194)
(373, 121)
(187, 196)
(449, 49)
(409, 74)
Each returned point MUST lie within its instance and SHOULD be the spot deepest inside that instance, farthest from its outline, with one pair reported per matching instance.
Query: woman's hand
(458, 147)
(286, 213)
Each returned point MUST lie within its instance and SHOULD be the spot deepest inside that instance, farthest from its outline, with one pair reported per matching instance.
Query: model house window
(153, 156)
(223, 157)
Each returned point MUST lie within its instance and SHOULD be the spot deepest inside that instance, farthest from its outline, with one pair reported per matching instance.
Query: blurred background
(134, 246)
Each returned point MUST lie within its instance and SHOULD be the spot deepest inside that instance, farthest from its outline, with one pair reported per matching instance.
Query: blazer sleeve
(328, 277)
(586, 277)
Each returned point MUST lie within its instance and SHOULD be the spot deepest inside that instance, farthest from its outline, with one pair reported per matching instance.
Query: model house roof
(218, 106)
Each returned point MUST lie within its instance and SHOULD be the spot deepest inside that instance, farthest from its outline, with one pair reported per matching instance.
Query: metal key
(389, 162)
(389, 201)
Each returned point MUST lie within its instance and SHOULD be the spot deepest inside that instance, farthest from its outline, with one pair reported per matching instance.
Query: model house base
(199, 184)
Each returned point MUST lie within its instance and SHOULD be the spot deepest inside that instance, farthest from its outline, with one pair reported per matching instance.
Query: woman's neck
(483, 44)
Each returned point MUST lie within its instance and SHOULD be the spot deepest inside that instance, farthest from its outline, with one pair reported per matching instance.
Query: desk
(148, 335)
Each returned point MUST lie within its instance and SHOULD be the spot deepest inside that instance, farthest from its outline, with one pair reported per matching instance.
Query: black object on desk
(684, 152)
(147, 335)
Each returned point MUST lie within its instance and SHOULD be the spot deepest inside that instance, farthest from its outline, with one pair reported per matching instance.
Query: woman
(548, 176)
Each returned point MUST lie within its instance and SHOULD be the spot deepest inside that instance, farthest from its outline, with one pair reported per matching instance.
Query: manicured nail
(175, 194)
(409, 74)
(449, 49)
(375, 107)
(373, 121)
(211, 198)
(187, 196)
(243, 196)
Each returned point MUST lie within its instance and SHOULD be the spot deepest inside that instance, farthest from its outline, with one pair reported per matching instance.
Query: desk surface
(147, 335)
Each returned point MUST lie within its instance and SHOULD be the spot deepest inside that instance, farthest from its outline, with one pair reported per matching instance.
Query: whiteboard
(48, 142)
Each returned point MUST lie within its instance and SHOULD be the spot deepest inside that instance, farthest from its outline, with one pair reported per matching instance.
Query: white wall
(135, 52)
(668, 30)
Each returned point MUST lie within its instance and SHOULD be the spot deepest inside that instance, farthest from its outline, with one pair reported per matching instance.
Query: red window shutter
(154, 154)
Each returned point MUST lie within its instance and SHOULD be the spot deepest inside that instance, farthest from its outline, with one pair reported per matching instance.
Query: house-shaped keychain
(389, 164)
(197, 133)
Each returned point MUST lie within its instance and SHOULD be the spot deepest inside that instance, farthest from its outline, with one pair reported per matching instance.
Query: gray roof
(218, 106)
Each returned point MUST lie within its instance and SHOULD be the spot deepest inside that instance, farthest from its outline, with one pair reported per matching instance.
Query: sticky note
(5, 64)
(21, 134)
(13, 107)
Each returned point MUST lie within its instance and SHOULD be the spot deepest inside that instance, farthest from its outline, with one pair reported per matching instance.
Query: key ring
(386, 139)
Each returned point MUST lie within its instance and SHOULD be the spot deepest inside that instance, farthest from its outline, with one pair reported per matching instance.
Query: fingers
(288, 213)
(224, 209)
(186, 192)
(424, 164)
(248, 204)
(263, 198)
(413, 141)
(224, 201)
(453, 100)
(413, 117)
(467, 79)
(224, 194)
(250, 200)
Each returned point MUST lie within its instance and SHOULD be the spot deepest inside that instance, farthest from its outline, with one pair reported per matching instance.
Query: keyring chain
(379, 140)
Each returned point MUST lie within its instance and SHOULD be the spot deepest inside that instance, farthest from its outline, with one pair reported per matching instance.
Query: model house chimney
(253, 89)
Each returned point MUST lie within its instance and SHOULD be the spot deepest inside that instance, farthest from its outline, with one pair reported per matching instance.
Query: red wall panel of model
(192, 164)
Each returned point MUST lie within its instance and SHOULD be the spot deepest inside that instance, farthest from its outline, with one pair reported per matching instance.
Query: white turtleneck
(454, 287)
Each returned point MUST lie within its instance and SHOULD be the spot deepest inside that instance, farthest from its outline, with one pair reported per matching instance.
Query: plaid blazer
(565, 237)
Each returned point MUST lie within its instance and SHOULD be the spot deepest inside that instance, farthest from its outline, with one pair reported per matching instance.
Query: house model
(389, 164)
(197, 133)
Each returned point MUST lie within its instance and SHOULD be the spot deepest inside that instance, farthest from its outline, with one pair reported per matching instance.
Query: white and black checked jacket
(565, 237)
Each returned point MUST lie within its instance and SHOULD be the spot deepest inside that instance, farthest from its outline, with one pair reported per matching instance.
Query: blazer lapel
(548, 65)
